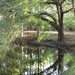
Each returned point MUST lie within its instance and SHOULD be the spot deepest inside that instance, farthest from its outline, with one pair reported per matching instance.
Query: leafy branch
(50, 22)
(68, 10)
(62, 2)
(50, 15)
(50, 3)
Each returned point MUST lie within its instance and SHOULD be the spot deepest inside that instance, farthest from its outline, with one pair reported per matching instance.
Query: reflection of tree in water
(39, 58)
(57, 65)
(41, 55)
(33, 61)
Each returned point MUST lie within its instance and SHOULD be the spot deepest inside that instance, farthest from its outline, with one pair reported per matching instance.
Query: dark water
(29, 60)
(38, 59)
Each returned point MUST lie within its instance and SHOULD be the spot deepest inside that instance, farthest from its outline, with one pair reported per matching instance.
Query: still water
(38, 59)
(30, 60)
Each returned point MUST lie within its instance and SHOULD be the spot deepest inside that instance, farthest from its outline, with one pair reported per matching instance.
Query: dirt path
(53, 34)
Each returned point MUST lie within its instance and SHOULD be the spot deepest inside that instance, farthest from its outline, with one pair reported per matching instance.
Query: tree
(57, 23)
(12, 19)
(56, 20)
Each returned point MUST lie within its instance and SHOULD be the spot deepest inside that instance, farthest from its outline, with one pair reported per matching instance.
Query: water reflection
(38, 59)
(29, 60)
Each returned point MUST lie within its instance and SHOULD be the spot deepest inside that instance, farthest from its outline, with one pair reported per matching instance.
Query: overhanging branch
(55, 2)
(62, 2)
(50, 3)
(52, 66)
(50, 15)
(50, 22)
(68, 10)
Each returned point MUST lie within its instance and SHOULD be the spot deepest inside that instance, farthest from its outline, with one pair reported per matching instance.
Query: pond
(35, 61)
(30, 60)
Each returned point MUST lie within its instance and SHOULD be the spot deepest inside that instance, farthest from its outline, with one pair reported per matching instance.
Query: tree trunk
(60, 52)
(60, 60)
(60, 36)
(73, 4)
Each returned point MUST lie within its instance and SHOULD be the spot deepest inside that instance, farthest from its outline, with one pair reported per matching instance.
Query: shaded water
(38, 59)
(29, 60)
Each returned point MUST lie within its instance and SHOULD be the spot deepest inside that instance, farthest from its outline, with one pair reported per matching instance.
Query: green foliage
(71, 26)
(10, 23)
(42, 36)
(71, 70)
(69, 23)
